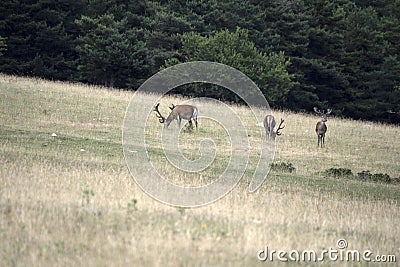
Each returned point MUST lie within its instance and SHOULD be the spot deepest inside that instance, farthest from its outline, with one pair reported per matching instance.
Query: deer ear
(172, 107)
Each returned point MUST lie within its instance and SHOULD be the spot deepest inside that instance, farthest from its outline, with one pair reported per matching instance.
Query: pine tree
(109, 51)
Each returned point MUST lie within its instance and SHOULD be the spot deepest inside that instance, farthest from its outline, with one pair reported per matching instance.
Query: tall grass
(68, 198)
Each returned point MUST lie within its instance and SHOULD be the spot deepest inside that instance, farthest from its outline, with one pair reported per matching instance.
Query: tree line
(340, 54)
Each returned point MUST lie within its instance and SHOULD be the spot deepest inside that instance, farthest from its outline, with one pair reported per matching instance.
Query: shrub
(131, 207)
(381, 178)
(364, 175)
(377, 177)
(339, 173)
(283, 167)
(396, 180)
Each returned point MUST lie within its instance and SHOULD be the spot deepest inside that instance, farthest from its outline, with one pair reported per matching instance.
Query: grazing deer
(178, 112)
(321, 128)
(269, 125)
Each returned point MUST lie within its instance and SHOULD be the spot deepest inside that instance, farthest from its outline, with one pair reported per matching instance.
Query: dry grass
(356, 145)
(70, 199)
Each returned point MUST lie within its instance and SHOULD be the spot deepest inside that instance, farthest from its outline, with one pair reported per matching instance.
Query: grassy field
(67, 197)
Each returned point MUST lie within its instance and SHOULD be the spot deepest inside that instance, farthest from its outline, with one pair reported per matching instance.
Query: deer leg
(195, 122)
(179, 121)
(190, 124)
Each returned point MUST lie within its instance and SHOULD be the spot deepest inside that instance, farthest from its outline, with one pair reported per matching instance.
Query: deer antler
(328, 111)
(160, 117)
(317, 111)
(280, 128)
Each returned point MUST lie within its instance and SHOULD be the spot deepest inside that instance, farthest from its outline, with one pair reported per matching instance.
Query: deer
(321, 127)
(269, 125)
(178, 112)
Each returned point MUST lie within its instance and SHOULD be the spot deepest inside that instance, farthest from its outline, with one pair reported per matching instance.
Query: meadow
(67, 197)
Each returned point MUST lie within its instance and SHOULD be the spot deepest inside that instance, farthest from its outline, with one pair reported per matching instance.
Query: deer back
(186, 112)
(269, 123)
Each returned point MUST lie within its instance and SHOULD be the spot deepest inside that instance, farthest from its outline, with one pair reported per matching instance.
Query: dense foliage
(236, 50)
(341, 54)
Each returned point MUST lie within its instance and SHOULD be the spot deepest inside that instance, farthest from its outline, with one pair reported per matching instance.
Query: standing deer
(178, 112)
(269, 125)
(321, 128)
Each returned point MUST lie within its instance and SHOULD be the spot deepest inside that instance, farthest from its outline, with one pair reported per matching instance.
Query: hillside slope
(67, 197)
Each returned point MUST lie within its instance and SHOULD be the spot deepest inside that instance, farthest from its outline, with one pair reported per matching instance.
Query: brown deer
(269, 125)
(178, 112)
(321, 127)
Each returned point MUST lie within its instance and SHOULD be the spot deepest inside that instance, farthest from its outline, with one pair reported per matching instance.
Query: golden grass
(356, 145)
(69, 199)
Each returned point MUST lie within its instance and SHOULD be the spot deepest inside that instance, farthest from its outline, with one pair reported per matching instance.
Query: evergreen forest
(343, 55)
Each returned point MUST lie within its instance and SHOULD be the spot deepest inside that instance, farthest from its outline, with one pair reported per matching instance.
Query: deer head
(323, 114)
